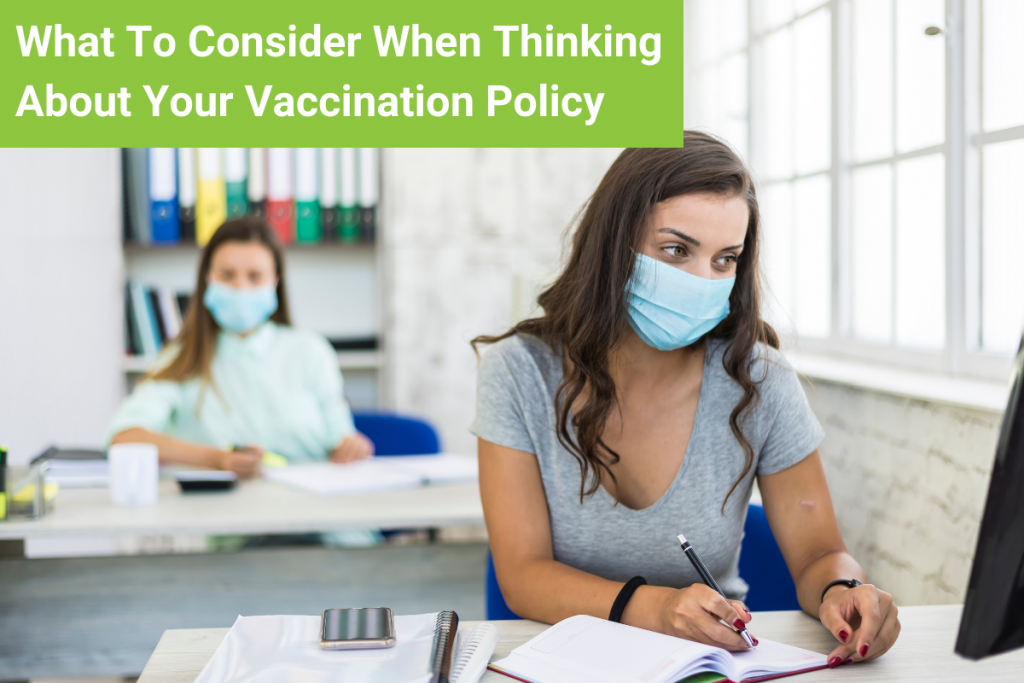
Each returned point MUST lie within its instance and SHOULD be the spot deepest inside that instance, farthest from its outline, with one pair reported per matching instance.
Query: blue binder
(163, 195)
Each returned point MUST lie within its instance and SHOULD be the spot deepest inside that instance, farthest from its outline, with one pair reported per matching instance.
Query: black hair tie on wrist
(619, 606)
(849, 583)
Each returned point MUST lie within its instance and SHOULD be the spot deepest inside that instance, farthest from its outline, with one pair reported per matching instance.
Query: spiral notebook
(444, 642)
(585, 649)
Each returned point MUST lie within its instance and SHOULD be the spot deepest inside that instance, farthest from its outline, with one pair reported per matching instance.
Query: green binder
(238, 205)
(307, 221)
(348, 200)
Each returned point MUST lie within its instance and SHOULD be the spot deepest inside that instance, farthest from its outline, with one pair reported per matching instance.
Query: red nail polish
(843, 635)
(864, 649)
(740, 626)
(755, 640)
(834, 662)
(847, 660)
(747, 611)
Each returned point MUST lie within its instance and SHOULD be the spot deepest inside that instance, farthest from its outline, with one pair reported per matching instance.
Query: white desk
(924, 651)
(253, 507)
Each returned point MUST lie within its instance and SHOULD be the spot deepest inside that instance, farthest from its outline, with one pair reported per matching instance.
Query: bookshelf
(333, 288)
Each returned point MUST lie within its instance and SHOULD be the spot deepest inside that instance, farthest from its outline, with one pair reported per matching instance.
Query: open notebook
(586, 649)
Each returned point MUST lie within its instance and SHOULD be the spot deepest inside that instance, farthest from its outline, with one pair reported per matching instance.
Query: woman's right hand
(245, 462)
(693, 613)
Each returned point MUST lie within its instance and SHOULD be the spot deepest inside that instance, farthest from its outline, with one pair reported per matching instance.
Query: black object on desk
(55, 453)
(205, 480)
(993, 618)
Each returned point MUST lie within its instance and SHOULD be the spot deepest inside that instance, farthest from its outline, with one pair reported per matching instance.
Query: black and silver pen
(706, 577)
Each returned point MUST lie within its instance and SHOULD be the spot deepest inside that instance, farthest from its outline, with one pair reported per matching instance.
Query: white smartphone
(357, 628)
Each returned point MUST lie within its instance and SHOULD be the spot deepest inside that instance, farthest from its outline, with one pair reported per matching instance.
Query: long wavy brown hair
(197, 341)
(585, 313)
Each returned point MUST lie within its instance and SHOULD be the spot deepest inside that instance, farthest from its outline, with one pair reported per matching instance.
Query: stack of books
(153, 317)
(307, 195)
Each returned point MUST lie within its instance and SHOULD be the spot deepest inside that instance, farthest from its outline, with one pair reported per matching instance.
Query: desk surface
(924, 651)
(253, 507)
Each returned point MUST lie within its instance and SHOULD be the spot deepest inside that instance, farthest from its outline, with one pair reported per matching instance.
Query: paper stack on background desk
(376, 474)
(78, 473)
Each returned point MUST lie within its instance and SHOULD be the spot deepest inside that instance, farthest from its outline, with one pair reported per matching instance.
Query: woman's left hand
(863, 619)
(353, 447)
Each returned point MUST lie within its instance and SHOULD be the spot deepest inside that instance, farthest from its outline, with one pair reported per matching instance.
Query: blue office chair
(394, 434)
(494, 601)
(761, 566)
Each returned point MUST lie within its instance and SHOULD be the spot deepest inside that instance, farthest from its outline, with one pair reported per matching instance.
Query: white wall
(466, 228)
(60, 297)
(908, 481)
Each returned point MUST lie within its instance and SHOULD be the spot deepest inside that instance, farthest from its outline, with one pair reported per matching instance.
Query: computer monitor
(993, 618)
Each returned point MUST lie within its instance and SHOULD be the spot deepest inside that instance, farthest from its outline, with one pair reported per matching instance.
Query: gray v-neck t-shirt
(516, 387)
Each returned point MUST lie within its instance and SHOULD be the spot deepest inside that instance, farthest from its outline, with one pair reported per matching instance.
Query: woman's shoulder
(520, 355)
(767, 364)
(166, 356)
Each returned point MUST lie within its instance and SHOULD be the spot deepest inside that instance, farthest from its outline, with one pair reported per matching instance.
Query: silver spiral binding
(444, 641)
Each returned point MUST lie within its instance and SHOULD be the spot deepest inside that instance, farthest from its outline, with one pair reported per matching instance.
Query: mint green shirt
(279, 387)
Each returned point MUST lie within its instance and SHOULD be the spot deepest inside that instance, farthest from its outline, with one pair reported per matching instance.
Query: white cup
(134, 472)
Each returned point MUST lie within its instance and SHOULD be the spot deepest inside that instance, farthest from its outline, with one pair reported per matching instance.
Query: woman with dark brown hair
(239, 373)
(642, 404)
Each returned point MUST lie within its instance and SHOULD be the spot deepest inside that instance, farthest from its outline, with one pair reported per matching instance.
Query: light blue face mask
(240, 310)
(670, 308)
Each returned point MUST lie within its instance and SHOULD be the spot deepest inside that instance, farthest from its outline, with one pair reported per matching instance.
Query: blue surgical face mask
(670, 308)
(240, 310)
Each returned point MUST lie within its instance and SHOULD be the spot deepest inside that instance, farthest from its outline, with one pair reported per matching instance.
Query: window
(793, 152)
(998, 151)
(888, 206)
(896, 173)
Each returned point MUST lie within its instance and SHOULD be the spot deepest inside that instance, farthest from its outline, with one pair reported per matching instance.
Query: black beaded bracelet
(850, 583)
(619, 606)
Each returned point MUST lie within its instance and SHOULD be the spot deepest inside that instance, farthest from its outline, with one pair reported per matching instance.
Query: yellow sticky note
(274, 460)
(27, 493)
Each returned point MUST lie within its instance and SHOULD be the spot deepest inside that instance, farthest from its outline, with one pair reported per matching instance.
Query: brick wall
(908, 481)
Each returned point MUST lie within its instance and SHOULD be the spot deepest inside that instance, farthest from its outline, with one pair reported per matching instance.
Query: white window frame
(961, 148)
(970, 359)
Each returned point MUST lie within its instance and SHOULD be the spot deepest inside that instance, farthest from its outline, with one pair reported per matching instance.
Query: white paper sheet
(376, 474)
(443, 468)
(79, 473)
(286, 649)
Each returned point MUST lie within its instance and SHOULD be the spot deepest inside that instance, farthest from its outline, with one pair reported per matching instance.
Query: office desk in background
(102, 616)
(253, 507)
(924, 651)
